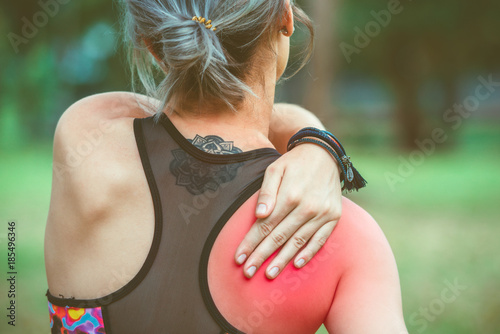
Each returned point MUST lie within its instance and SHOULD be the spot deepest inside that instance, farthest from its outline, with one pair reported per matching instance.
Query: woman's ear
(287, 25)
(150, 47)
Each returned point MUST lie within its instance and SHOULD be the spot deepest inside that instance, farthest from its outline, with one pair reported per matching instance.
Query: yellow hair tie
(204, 21)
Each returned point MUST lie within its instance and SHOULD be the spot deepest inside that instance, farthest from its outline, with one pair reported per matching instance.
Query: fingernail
(261, 209)
(274, 272)
(251, 271)
(300, 263)
(241, 258)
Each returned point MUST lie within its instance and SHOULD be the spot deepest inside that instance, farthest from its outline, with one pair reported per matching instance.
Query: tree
(407, 43)
(317, 95)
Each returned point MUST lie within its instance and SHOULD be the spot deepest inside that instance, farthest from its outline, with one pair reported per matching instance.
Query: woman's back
(194, 194)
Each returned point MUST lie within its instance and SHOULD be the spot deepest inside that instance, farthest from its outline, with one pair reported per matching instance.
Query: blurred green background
(404, 84)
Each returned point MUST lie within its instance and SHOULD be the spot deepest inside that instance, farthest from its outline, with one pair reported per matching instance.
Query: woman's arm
(287, 120)
(299, 202)
(368, 295)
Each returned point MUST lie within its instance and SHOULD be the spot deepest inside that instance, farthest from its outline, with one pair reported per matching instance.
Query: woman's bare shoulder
(107, 106)
(94, 155)
(357, 227)
(368, 296)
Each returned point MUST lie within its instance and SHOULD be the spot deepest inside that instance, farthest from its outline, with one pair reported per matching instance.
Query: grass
(25, 196)
(442, 224)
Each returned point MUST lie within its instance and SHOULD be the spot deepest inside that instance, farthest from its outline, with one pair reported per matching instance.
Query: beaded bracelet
(350, 177)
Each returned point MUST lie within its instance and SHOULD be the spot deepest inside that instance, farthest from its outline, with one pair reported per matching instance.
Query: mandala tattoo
(198, 176)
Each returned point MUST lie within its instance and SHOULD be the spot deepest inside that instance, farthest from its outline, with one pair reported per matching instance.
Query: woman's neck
(247, 127)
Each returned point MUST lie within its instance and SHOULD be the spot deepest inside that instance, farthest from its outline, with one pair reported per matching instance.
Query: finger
(297, 242)
(317, 241)
(259, 231)
(276, 238)
(269, 191)
(262, 228)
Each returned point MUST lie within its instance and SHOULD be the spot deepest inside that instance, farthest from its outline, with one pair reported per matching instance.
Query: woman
(143, 235)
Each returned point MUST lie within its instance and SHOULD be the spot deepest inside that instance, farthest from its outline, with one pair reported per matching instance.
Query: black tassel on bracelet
(352, 179)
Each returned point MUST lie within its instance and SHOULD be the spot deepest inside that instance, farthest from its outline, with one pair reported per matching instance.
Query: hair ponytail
(197, 62)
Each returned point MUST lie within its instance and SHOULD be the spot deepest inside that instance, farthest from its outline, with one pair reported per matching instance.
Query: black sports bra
(170, 293)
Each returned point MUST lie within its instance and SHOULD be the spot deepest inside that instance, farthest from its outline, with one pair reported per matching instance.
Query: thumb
(265, 205)
(268, 192)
